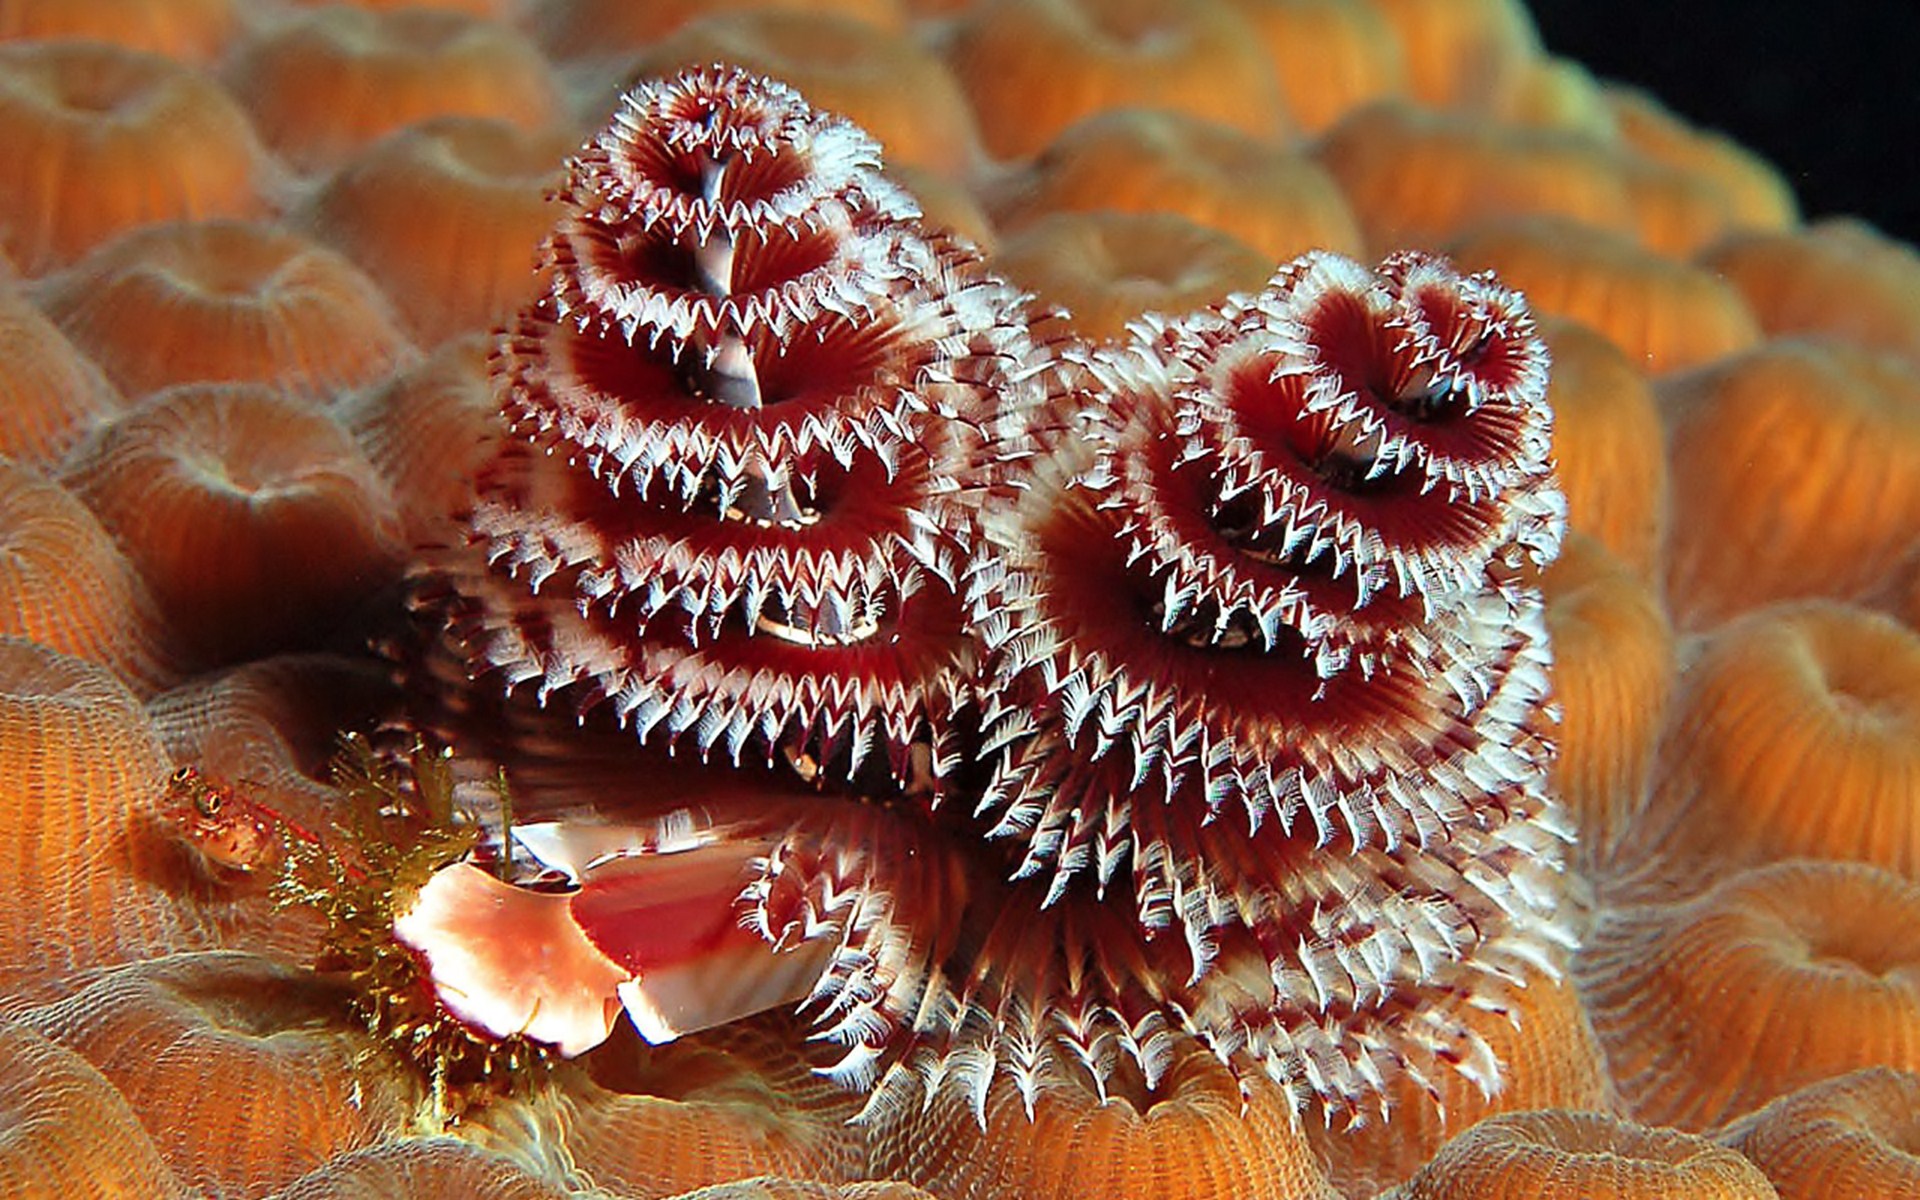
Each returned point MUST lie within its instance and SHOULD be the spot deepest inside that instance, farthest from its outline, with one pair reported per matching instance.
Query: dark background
(1829, 92)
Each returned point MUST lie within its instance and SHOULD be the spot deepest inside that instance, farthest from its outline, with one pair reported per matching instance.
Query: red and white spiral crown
(1262, 646)
(743, 419)
(1276, 570)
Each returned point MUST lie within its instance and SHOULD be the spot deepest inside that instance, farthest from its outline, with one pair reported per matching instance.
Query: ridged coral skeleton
(1239, 608)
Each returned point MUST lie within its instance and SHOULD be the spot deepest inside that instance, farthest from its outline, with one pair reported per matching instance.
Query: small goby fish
(231, 830)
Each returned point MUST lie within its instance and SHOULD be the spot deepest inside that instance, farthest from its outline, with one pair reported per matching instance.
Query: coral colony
(1015, 707)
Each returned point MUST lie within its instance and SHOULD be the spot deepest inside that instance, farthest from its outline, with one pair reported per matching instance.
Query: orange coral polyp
(1801, 478)
(1109, 268)
(224, 300)
(422, 1168)
(1033, 67)
(426, 429)
(1841, 279)
(1147, 160)
(104, 139)
(65, 584)
(95, 884)
(477, 8)
(65, 1130)
(1419, 178)
(191, 30)
(329, 80)
(574, 29)
(1203, 1136)
(223, 493)
(246, 1071)
(1613, 668)
(1674, 214)
(1777, 977)
(49, 391)
(1332, 56)
(1554, 93)
(1756, 194)
(1853, 1135)
(1663, 315)
(1791, 685)
(1557, 1155)
(446, 216)
(1462, 53)
(273, 723)
(1609, 445)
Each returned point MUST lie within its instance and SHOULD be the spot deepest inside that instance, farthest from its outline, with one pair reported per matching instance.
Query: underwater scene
(995, 600)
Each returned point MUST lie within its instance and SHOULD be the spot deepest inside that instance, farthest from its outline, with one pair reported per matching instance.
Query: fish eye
(208, 802)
